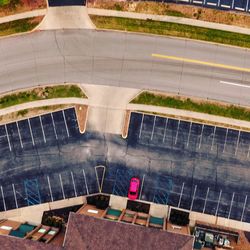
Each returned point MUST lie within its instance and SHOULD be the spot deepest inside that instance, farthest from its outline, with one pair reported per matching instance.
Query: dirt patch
(27, 113)
(171, 9)
(19, 6)
(81, 114)
(126, 124)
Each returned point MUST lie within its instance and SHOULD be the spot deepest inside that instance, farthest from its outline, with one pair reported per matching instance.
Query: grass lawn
(42, 93)
(4, 2)
(171, 29)
(235, 112)
(19, 26)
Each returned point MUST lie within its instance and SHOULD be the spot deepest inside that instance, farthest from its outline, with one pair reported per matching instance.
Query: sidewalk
(28, 14)
(172, 19)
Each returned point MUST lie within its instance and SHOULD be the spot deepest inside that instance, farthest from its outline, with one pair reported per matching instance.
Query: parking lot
(36, 165)
(208, 165)
(187, 165)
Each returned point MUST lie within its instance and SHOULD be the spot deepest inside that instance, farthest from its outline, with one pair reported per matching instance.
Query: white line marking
(142, 186)
(51, 196)
(66, 126)
(191, 207)
(197, 2)
(19, 135)
(179, 203)
(213, 4)
(243, 211)
(184, 1)
(237, 144)
(225, 142)
(32, 138)
(218, 203)
(141, 125)
(14, 191)
(231, 206)
(73, 180)
(42, 128)
(177, 132)
(235, 84)
(53, 123)
(190, 125)
(152, 134)
(248, 151)
(225, 6)
(6, 131)
(84, 176)
(166, 124)
(201, 135)
(205, 203)
(4, 204)
(213, 138)
(238, 8)
(60, 177)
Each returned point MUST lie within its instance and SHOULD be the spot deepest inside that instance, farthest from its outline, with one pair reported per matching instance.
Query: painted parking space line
(205, 203)
(73, 181)
(225, 142)
(6, 131)
(4, 204)
(213, 138)
(51, 196)
(194, 61)
(53, 123)
(237, 143)
(141, 125)
(189, 132)
(165, 130)
(84, 176)
(142, 183)
(218, 204)
(212, 4)
(41, 122)
(14, 191)
(182, 188)
(225, 6)
(60, 178)
(153, 129)
(231, 204)
(192, 203)
(177, 132)
(238, 8)
(31, 133)
(201, 135)
(198, 2)
(66, 126)
(18, 130)
(244, 207)
(248, 152)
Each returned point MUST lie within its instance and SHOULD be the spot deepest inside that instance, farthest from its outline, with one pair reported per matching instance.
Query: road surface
(124, 59)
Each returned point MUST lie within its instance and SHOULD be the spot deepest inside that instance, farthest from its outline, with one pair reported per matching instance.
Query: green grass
(171, 29)
(4, 2)
(17, 26)
(235, 112)
(61, 91)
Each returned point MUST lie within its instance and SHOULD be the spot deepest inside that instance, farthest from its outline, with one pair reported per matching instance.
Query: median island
(171, 29)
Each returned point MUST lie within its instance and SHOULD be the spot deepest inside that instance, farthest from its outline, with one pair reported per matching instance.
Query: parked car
(133, 188)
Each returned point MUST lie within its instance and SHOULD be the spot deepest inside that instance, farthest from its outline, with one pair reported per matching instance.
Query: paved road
(123, 59)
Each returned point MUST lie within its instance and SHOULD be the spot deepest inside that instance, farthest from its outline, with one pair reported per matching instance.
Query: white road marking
(6, 131)
(201, 136)
(4, 204)
(14, 191)
(231, 204)
(19, 135)
(66, 126)
(217, 209)
(237, 144)
(142, 186)
(51, 196)
(165, 129)
(238, 8)
(84, 176)
(31, 133)
(205, 203)
(235, 84)
(243, 211)
(225, 142)
(60, 177)
(73, 180)
(177, 132)
(197, 2)
(192, 203)
(42, 128)
(182, 188)
(152, 134)
(141, 125)
(213, 138)
(53, 123)
(190, 125)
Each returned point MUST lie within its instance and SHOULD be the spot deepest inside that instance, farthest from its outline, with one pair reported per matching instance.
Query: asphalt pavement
(124, 59)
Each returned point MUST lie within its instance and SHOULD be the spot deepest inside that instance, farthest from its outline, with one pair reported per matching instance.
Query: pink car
(133, 188)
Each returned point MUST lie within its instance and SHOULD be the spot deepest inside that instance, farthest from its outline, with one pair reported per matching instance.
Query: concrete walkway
(69, 17)
(180, 20)
(28, 14)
